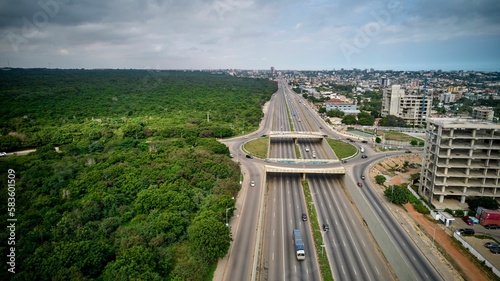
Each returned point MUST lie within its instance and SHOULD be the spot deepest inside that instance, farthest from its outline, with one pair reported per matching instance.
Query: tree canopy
(139, 186)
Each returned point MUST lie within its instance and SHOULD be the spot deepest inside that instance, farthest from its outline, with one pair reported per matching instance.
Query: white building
(414, 108)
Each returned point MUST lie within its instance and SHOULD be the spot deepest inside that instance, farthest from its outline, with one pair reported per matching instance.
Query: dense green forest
(139, 188)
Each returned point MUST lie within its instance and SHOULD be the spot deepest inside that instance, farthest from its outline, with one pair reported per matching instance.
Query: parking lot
(477, 243)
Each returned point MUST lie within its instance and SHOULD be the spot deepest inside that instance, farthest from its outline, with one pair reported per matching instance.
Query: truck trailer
(299, 245)
(489, 217)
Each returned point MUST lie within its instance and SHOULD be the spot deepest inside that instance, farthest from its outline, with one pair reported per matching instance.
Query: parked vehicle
(474, 220)
(491, 244)
(489, 217)
(492, 226)
(467, 231)
(495, 250)
(299, 245)
(467, 220)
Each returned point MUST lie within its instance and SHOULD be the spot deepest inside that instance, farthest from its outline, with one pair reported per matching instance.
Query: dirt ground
(463, 269)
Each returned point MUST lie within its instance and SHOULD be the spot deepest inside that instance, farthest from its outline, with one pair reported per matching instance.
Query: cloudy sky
(251, 34)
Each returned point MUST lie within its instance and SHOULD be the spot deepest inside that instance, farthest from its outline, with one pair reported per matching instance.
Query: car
(307, 149)
(360, 184)
(249, 156)
(364, 141)
(363, 156)
(3, 154)
(320, 127)
(344, 161)
(231, 155)
(264, 135)
(362, 177)
(467, 220)
(466, 231)
(492, 226)
(304, 217)
(408, 151)
(491, 244)
(495, 250)
(252, 183)
(326, 227)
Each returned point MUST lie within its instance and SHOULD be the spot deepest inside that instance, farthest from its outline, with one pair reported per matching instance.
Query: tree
(392, 121)
(414, 142)
(209, 237)
(485, 202)
(349, 120)
(398, 194)
(335, 113)
(378, 140)
(380, 179)
(365, 119)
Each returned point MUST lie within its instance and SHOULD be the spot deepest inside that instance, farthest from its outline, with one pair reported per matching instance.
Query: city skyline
(251, 34)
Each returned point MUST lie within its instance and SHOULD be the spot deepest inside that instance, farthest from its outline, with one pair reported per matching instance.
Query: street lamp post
(227, 209)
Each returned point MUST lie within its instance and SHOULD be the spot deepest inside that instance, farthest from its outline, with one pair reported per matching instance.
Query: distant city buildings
(483, 112)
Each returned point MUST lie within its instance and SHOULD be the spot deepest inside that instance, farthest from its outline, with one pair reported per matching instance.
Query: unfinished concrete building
(461, 159)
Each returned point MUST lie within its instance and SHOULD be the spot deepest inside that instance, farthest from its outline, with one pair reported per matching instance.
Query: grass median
(324, 265)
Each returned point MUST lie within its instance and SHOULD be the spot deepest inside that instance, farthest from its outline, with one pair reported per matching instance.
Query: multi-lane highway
(351, 249)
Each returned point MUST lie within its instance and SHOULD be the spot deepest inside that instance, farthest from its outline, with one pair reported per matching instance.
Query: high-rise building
(461, 159)
(272, 70)
(384, 82)
(414, 108)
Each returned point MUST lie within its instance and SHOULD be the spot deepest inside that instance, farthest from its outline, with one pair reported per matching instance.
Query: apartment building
(414, 108)
(461, 159)
(483, 112)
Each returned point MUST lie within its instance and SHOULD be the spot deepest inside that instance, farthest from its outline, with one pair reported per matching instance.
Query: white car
(3, 154)
(252, 183)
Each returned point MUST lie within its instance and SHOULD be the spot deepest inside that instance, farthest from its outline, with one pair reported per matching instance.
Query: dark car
(249, 156)
(495, 250)
(326, 227)
(364, 141)
(304, 217)
(408, 151)
(467, 220)
(360, 184)
(492, 226)
(491, 244)
(363, 156)
(466, 231)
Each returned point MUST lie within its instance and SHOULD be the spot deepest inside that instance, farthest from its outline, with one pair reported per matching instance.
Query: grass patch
(342, 149)
(324, 266)
(257, 147)
(417, 204)
(397, 136)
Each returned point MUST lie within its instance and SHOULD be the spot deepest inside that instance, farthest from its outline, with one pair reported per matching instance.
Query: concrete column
(441, 198)
(462, 199)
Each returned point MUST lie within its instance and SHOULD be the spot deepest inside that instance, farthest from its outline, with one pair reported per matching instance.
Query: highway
(352, 252)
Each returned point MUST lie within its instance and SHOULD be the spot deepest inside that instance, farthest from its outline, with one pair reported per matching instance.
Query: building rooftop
(463, 123)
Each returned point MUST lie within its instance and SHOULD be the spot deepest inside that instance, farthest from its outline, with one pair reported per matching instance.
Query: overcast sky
(251, 34)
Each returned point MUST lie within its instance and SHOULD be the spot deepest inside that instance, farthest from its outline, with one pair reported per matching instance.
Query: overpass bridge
(295, 135)
(338, 170)
(301, 161)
